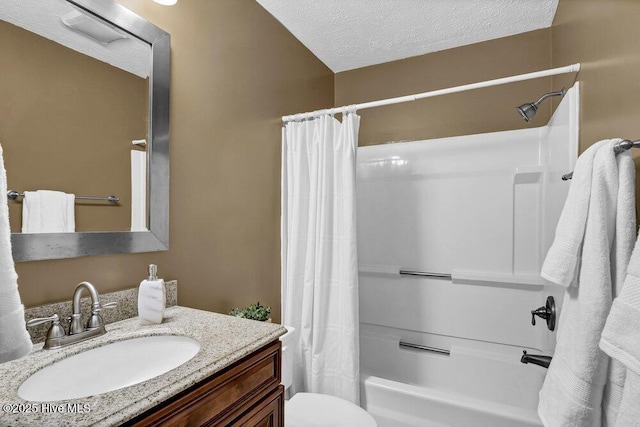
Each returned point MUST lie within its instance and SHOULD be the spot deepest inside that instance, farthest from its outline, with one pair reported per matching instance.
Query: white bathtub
(395, 404)
(477, 384)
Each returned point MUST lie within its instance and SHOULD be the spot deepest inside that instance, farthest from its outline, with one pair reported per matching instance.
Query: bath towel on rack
(14, 339)
(587, 256)
(46, 211)
(621, 340)
(562, 258)
(138, 190)
(624, 243)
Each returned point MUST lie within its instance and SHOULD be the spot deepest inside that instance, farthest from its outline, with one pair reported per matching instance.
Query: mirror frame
(32, 247)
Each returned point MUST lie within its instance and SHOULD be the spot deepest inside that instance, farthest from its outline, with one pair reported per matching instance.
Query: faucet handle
(96, 321)
(40, 320)
(548, 313)
(56, 330)
(112, 304)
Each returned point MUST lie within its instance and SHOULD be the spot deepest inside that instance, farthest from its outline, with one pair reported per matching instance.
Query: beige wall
(62, 131)
(603, 36)
(235, 72)
(477, 111)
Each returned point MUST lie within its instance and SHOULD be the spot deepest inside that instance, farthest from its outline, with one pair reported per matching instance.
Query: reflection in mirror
(77, 137)
(82, 80)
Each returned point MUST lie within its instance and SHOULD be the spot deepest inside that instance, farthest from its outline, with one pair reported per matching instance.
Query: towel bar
(424, 348)
(13, 195)
(425, 274)
(621, 146)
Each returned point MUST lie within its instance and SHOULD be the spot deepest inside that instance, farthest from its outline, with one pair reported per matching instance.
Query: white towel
(629, 411)
(14, 339)
(624, 241)
(572, 392)
(621, 341)
(561, 262)
(138, 190)
(45, 211)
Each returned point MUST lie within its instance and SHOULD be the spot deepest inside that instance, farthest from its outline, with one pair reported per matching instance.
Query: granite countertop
(223, 340)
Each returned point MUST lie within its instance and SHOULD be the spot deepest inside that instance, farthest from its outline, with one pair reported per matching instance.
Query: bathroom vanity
(234, 379)
(248, 393)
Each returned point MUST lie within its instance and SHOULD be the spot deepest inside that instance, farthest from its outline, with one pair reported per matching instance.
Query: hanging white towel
(572, 392)
(625, 238)
(138, 190)
(560, 265)
(14, 339)
(621, 341)
(45, 211)
(629, 410)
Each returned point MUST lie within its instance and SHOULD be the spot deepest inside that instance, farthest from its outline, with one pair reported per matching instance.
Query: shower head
(527, 111)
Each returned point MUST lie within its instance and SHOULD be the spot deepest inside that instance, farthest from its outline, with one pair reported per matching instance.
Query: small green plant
(254, 312)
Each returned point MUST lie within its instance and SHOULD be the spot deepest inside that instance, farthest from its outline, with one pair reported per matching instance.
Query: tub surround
(127, 308)
(224, 340)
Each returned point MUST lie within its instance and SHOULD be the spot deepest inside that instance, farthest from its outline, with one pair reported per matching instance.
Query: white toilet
(317, 410)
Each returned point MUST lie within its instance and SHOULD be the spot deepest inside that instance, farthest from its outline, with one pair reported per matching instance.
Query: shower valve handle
(540, 312)
(548, 313)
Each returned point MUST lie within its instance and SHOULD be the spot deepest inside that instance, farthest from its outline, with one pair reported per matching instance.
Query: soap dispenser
(152, 298)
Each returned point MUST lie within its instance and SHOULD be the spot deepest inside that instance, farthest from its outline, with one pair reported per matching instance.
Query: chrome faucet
(95, 321)
(57, 337)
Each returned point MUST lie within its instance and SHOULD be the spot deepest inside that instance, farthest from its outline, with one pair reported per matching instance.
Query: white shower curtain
(319, 257)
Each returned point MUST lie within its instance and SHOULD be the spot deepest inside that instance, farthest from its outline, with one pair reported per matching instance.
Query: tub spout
(536, 359)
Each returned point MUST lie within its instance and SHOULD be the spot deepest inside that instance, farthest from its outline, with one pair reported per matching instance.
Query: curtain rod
(573, 68)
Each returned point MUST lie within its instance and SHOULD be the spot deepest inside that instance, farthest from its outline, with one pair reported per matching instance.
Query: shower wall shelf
(387, 270)
(506, 279)
(460, 276)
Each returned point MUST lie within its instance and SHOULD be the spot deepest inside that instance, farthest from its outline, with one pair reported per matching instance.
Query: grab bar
(13, 195)
(425, 274)
(424, 348)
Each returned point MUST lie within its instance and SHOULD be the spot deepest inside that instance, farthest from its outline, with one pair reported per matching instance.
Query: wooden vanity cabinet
(247, 393)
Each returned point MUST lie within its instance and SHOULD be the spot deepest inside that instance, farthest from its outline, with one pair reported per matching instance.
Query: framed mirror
(113, 41)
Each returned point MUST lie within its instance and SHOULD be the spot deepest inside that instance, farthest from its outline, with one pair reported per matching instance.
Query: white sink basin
(107, 368)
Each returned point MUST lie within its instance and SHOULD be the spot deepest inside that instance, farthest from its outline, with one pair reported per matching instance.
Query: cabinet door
(268, 413)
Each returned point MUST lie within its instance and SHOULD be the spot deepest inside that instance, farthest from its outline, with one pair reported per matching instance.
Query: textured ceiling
(348, 34)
